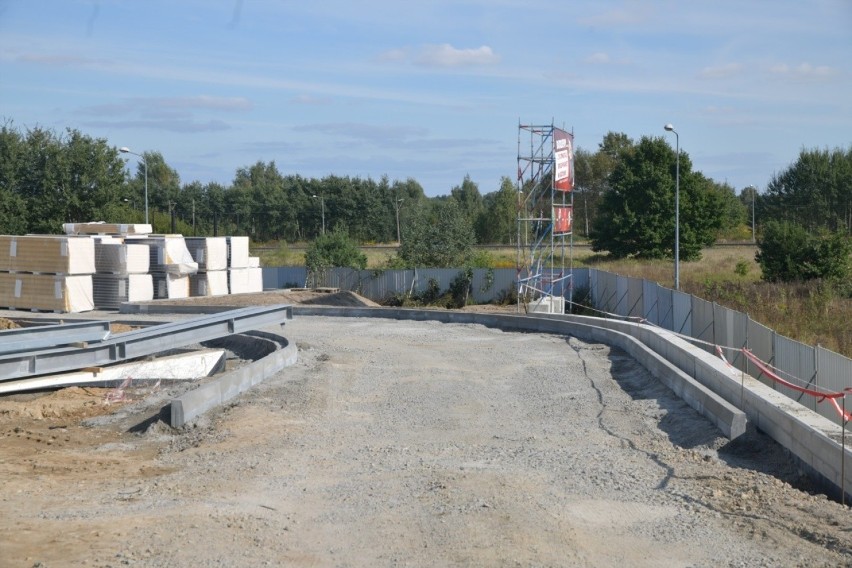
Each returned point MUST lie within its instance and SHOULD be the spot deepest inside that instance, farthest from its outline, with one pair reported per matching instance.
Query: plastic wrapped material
(238, 252)
(245, 280)
(211, 253)
(49, 254)
(112, 256)
(254, 262)
(173, 286)
(168, 253)
(48, 292)
(214, 283)
(101, 228)
(255, 279)
(110, 290)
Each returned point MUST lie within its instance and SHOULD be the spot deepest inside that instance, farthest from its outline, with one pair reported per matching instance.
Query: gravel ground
(419, 444)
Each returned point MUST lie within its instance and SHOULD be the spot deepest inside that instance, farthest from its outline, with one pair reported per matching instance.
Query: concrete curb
(196, 402)
(699, 378)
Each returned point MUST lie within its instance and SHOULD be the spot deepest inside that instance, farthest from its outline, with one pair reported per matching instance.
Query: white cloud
(306, 99)
(598, 58)
(721, 71)
(803, 70)
(445, 55)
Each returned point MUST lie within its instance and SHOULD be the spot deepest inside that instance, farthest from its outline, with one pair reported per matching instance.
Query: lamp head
(669, 127)
(124, 150)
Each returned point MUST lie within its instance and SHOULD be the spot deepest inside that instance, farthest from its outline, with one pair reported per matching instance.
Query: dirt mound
(344, 298)
(73, 402)
(8, 324)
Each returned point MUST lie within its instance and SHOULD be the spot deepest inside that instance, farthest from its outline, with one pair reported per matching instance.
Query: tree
(468, 199)
(788, 252)
(497, 223)
(815, 192)
(333, 249)
(440, 238)
(48, 179)
(637, 215)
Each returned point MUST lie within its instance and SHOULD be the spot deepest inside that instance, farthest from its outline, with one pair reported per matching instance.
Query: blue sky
(434, 89)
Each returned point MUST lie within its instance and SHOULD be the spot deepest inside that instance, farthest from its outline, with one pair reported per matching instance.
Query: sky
(434, 89)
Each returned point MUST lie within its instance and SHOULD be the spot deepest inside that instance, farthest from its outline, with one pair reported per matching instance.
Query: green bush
(333, 249)
(787, 252)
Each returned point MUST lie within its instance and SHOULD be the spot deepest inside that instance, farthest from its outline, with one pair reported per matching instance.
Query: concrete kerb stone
(194, 403)
(730, 420)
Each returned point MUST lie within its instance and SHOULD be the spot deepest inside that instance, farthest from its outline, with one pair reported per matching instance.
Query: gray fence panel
(664, 304)
(635, 303)
(729, 329)
(650, 307)
(760, 341)
(702, 322)
(621, 305)
(595, 286)
(681, 313)
(835, 375)
(723, 326)
(797, 365)
(582, 279)
(739, 338)
(284, 277)
(607, 291)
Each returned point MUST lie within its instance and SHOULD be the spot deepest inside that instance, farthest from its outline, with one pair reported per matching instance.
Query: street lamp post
(753, 191)
(398, 205)
(322, 204)
(670, 128)
(126, 150)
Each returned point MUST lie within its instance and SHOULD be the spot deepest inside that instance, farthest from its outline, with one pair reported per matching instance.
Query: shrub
(787, 252)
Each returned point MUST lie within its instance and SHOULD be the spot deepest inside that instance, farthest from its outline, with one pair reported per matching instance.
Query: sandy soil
(409, 443)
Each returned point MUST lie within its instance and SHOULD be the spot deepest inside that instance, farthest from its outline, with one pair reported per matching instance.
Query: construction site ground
(406, 444)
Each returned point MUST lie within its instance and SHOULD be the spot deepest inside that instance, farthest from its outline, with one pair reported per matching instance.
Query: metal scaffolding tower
(545, 206)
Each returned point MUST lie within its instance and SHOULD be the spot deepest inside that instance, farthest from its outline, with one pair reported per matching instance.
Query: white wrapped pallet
(255, 279)
(238, 281)
(112, 256)
(213, 283)
(110, 290)
(211, 253)
(48, 254)
(168, 253)
(254, 262)
(238, 252)
(48, 292)
(173, 286)
(101, 228)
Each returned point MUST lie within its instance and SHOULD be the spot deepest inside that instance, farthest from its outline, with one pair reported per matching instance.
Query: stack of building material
(242, 276)
(171, 264)
(211, 254)
(49, 272)
(101, 228)
(122, 273)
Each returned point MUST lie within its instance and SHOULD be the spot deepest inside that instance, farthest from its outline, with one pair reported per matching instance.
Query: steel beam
(142, 342)
(52, 335)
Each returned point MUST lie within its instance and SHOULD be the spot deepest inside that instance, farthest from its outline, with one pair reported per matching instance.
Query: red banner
(563, 157)
(562, 220)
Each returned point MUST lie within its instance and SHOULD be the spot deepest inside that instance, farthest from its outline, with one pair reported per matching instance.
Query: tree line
(623, 198)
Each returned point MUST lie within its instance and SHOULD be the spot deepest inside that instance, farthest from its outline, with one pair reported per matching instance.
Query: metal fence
(624, 296)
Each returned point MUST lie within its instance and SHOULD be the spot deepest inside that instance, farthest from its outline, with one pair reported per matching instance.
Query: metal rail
(142, 342)
(52, 335)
